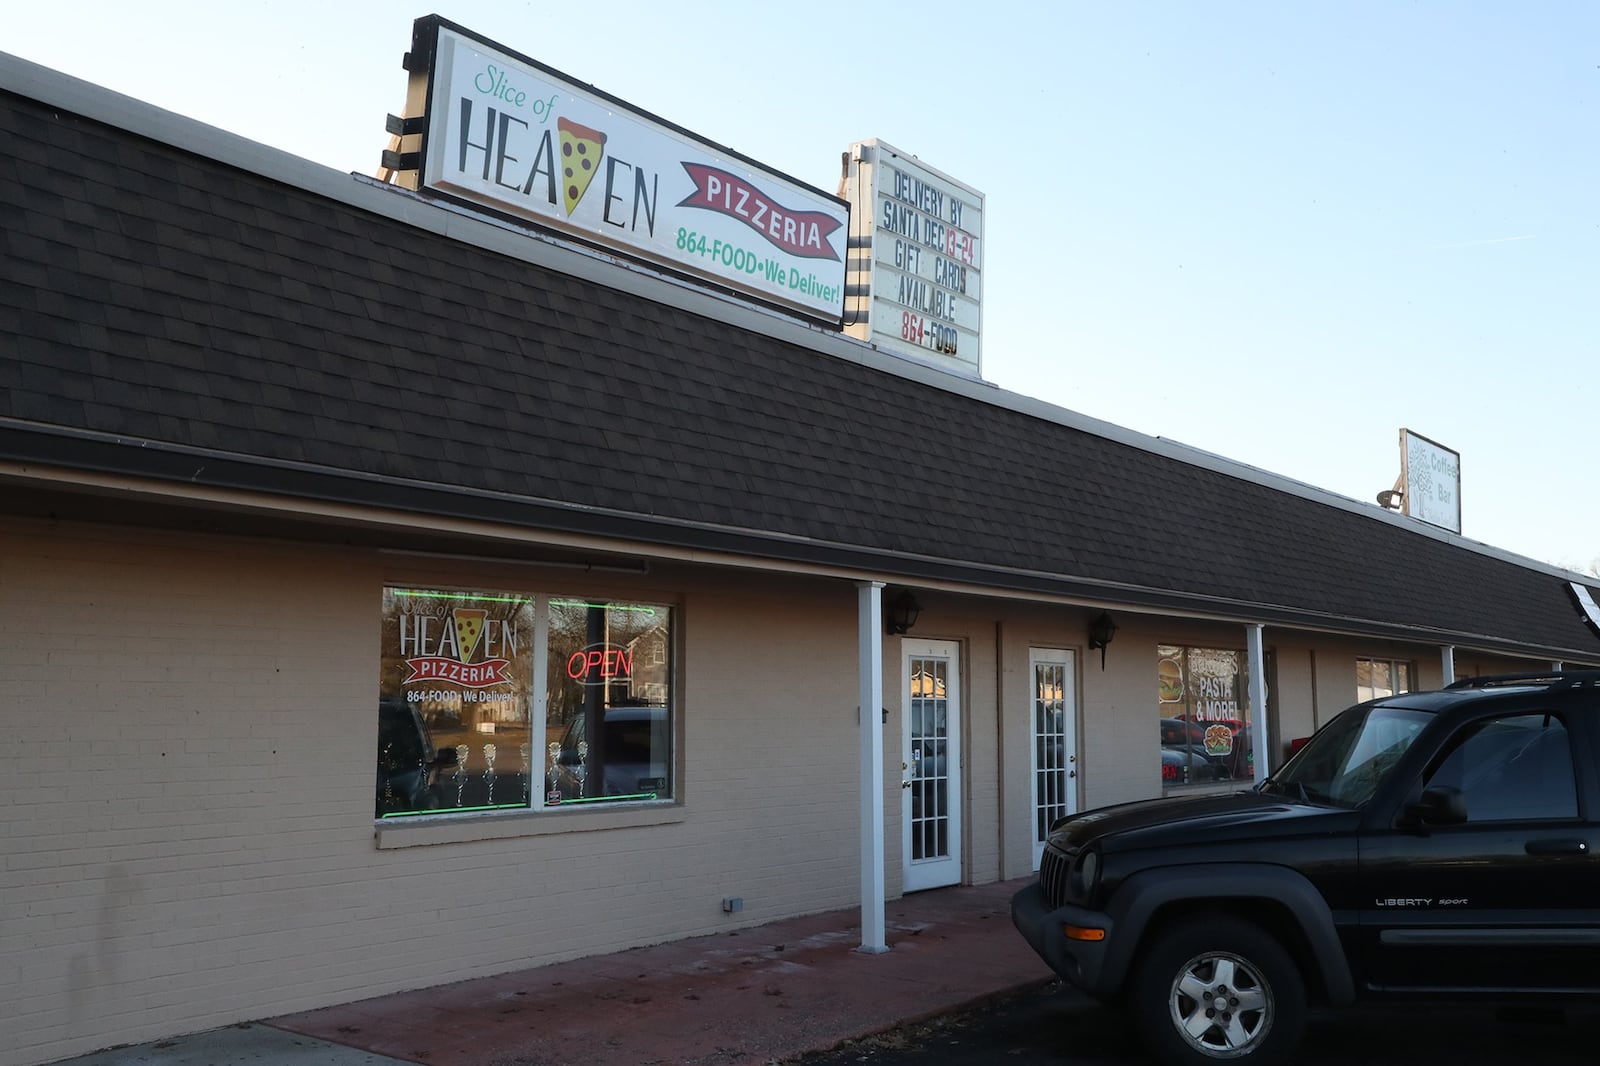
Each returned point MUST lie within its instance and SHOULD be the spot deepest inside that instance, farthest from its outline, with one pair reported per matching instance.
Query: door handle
(1557, 846)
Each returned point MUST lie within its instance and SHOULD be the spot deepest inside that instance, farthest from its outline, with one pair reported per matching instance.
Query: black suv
(1440, 845)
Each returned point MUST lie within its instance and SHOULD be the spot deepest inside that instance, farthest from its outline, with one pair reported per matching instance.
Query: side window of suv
(1513, 768)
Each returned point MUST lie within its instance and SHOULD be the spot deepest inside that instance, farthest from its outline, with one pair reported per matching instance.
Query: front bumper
(1081, 963)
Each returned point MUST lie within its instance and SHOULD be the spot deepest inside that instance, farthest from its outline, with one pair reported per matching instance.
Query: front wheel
(1215, 989)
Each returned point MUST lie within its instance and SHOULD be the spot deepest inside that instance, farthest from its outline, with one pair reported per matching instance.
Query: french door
(1054, 714)
(931, 779)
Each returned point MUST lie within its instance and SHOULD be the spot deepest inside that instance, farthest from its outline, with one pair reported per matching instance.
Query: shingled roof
(175, 316)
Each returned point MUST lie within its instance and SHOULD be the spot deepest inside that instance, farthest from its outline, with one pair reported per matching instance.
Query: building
(278, 444)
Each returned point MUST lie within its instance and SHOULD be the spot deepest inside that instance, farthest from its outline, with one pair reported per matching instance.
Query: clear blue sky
(1277, 231)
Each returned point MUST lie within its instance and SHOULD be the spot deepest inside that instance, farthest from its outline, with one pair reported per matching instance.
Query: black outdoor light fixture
(901, 613)
(1101, 630)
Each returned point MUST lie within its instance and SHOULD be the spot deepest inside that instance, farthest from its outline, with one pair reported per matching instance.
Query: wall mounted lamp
(1101, 630)
(901, 613)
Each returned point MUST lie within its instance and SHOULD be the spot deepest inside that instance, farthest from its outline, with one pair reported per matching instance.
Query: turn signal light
(1079, 932)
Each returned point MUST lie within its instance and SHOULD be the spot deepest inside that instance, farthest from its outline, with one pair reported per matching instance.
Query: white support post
(1447, 665)
(1256, 653)
(869, 626)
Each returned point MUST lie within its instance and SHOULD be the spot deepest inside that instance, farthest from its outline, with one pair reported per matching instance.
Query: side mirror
(443, 757)
(1441, 805)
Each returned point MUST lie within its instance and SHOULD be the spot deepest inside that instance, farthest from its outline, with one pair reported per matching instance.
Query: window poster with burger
(1204, 715)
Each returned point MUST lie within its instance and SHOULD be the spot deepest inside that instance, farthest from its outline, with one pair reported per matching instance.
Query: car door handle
(1558, 846)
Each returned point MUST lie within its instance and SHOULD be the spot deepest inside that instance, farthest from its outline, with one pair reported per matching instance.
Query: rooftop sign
(1431, 475)
(512, 135)
(916, 257)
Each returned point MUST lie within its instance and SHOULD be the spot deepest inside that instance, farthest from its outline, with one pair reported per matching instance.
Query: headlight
(1085, 875)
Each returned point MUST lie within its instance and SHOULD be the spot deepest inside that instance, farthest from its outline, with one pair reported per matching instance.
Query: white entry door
(1054, 713)
(931, 792)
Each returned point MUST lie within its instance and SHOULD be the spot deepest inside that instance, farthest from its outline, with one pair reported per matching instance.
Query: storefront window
(1376, 678)
(1205, 720)
(496, 701)
(608, 709)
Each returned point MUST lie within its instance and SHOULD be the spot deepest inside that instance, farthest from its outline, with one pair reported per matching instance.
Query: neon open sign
(599, 663)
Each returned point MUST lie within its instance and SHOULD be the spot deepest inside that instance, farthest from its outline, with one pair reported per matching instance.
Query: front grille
(1055, 869)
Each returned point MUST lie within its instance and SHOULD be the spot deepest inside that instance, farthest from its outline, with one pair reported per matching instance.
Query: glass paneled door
(931, 786)
(1054, 712)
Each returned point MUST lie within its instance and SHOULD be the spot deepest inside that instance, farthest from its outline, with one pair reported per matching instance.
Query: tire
(1257, 996)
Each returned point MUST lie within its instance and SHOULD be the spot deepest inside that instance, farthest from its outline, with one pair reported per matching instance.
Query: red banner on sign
(800, 233)
(472, 675)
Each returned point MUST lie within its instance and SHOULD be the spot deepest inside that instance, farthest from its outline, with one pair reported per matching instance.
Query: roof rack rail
(1555, 679)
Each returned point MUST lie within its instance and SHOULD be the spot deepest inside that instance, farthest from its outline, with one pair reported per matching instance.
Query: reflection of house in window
(926, 684)
(648, 653)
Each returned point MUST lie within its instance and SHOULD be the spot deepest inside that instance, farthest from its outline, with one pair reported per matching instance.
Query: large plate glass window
(515, 701)
(1205, 719)
(608, 689)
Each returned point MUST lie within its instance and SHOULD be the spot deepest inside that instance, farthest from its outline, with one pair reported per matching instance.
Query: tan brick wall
(174, 831)
(188, 837)
(190, 739)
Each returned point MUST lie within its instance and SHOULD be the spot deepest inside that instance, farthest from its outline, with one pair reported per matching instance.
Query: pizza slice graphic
(469, 629)
(581, 149)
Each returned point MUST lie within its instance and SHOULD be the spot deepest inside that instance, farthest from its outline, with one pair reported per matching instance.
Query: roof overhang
(76, 475)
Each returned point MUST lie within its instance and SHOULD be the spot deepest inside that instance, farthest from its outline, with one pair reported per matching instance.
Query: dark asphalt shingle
(153, 293)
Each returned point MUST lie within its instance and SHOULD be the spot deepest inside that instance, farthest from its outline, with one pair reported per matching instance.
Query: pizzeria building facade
(619, 559)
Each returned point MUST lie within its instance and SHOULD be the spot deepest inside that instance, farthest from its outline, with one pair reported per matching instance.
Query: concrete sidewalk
(761, 995)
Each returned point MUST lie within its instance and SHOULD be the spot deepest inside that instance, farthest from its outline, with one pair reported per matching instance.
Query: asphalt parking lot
(1057, 1026)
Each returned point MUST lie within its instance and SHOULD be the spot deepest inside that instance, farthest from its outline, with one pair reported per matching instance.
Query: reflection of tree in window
(1512, 768)
(1376, 678)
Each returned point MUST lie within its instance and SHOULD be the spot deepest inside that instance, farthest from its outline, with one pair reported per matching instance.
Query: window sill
(457, 829)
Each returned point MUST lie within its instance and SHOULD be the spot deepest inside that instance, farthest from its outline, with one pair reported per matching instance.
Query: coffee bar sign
(510, 134)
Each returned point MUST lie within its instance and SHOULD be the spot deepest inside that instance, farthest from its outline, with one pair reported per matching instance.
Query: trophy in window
(552, 781)
(462, 752)
(488, 775)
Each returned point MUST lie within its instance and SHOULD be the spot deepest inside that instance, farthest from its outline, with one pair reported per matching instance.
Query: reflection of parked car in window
(1187, 766)
(1185, 759)
(634, 759)
(1176, 732)
(407, 761)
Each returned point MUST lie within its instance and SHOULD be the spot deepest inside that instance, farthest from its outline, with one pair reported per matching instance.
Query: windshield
(1347, 759)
